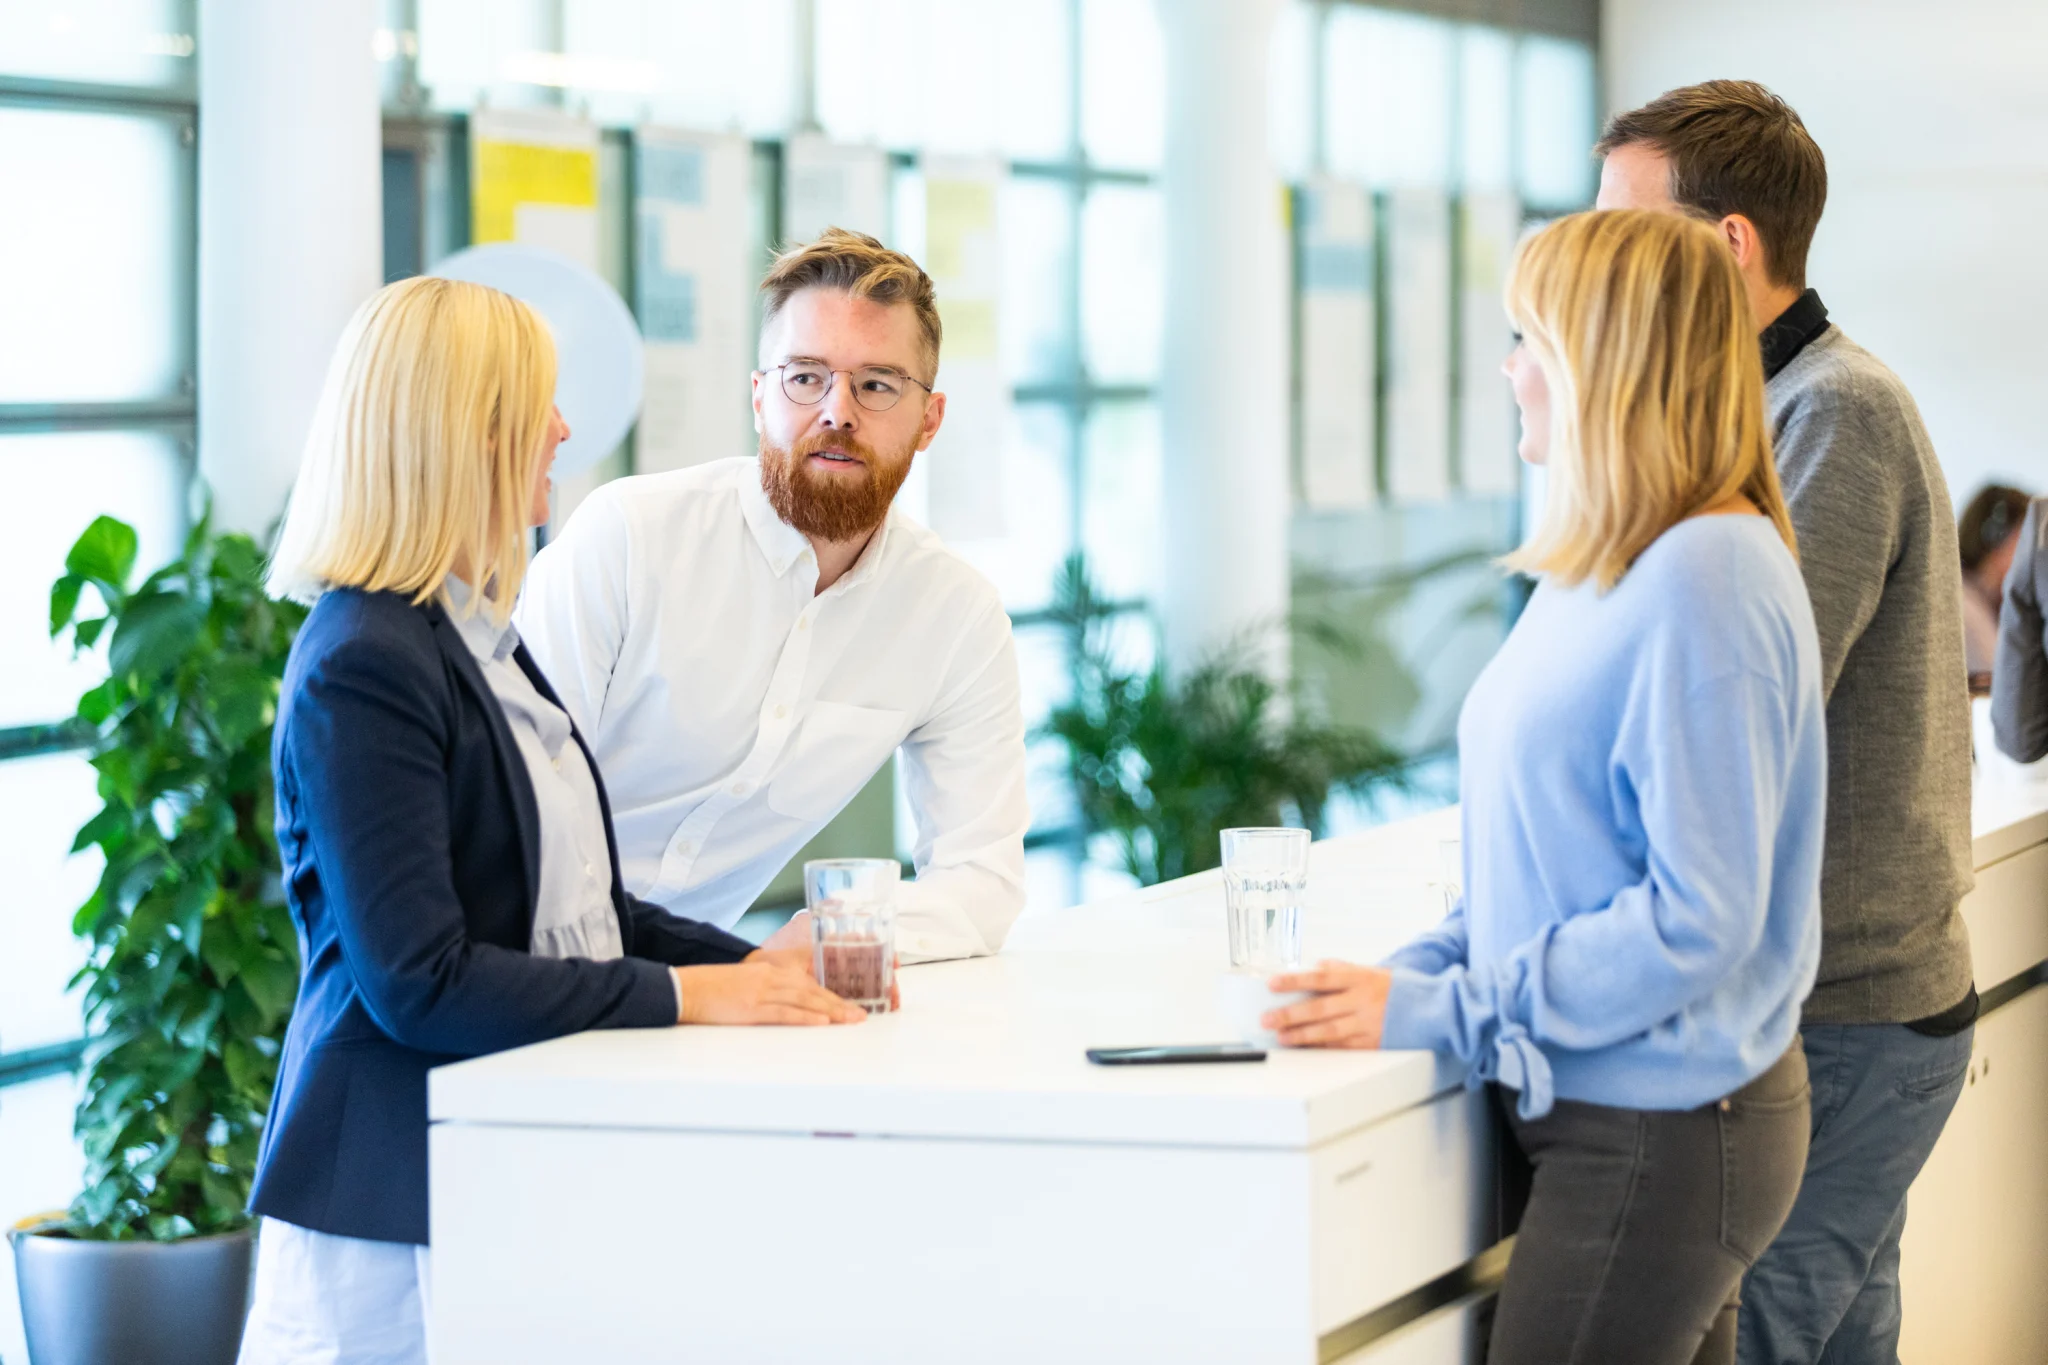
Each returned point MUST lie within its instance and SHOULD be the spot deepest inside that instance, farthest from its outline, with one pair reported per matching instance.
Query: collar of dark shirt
(1795, 328)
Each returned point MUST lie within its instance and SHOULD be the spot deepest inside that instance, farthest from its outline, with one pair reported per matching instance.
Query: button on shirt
(734, 709)
(574, 916)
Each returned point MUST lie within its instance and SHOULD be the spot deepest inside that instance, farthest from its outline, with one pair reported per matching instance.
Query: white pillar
(290, 230)
(1227, 470)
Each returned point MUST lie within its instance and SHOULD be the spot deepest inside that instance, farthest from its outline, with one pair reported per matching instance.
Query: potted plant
(194, 960)
(1161, 765)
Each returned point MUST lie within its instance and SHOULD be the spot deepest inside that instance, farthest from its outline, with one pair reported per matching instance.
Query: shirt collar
(487, 640)
(1794, 330)
(783, 545)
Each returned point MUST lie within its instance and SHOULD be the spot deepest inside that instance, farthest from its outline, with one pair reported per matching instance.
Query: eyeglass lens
(875, 389)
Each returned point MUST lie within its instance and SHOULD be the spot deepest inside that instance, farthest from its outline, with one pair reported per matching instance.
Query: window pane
(1038, 258)
(1037, 72)
(43, 801)
(1038, 509)
(1557, 121)
(1486, 84)
(105, 42)
(1123, 84)
(96, 259)
(1122, 292)
(70, 478)
(1387, 93)
(705, 64)
(854, 38)
(1120, 494)
(1046, 679)
(1291, 90)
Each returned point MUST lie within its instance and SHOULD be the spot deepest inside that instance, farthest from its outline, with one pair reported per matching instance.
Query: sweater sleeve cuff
(1419, 1011)
(1425, 1012)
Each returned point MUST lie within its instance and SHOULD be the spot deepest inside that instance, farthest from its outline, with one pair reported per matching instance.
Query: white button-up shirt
(734, 709)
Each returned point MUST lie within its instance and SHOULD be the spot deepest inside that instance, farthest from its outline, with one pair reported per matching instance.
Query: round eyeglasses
(875, 387)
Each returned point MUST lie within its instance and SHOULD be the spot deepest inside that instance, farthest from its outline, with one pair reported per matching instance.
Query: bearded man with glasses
(745, 643)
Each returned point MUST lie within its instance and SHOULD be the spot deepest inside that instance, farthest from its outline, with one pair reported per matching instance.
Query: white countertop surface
(993, 1048)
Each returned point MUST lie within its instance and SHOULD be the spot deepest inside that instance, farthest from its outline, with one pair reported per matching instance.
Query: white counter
(961, 1178)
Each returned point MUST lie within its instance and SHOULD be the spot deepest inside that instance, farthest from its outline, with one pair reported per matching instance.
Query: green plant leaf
(64, 601)
(271, 983)
(156, 632)
(104, 555)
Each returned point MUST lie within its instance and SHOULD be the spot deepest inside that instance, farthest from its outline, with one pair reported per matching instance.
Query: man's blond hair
(1642, 326)
(424, 448)
(856, 264)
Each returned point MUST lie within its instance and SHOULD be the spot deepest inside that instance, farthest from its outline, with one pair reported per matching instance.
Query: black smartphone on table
(1179, 1055)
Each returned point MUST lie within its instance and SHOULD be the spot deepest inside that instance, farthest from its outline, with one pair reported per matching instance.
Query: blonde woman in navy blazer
(442, 826)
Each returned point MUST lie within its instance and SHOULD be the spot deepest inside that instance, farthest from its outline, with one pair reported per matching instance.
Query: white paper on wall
(1337, 345)
(1488, 429)
(533, 180)
(1419, 345)
(829, 184)
(963, 255)
(693, 291)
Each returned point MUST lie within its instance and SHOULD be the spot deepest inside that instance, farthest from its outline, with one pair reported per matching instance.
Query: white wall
(1934, 250)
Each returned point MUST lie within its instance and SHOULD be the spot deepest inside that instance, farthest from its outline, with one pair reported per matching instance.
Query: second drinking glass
(1265, 877)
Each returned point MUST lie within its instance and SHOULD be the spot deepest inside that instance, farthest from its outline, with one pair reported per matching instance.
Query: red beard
(839, 505)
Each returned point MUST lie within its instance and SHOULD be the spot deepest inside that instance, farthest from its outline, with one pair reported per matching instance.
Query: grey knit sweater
(1877, 545)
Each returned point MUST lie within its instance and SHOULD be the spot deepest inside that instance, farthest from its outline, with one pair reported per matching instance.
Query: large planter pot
(132, 1303)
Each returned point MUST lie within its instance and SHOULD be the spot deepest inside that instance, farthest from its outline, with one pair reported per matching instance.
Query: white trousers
(327, 1300)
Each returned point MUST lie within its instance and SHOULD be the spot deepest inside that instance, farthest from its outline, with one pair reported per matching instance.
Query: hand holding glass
(853, 928)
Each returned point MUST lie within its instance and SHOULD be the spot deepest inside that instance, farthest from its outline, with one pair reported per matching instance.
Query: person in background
(1986, 538)
(2019, 682)
(1643, 771)
(446, 845)
(1889, 1026)
(746, 642)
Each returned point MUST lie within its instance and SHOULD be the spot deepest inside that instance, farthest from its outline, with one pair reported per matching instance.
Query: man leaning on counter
(745, 645)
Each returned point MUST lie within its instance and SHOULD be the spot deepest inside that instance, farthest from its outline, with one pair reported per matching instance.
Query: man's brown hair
(1736, 148)
(856, 264)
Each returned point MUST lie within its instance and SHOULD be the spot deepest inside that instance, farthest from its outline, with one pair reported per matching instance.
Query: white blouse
(574, 916)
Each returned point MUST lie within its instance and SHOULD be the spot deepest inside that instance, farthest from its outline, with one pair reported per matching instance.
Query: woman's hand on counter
(1348, 1010)
(759, 990)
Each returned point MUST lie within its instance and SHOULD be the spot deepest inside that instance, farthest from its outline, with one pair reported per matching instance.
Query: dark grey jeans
(1640, 1224)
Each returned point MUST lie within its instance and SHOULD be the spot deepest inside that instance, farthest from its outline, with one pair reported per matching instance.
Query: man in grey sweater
(1888, 1026)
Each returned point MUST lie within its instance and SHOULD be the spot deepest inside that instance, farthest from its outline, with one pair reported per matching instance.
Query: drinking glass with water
(1265, 878)
(853, 927)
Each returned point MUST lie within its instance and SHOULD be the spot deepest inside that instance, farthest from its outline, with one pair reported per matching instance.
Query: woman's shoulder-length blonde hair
(1643, 329)
(423, 448)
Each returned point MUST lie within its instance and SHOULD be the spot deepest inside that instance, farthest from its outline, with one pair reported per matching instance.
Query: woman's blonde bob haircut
(1643, 329)
(424, 448)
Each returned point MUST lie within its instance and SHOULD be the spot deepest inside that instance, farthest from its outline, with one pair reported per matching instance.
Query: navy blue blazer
(411, 849)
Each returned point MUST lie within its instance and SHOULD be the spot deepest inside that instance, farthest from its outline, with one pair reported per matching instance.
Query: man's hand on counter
(760, 990)
(1348, 1010)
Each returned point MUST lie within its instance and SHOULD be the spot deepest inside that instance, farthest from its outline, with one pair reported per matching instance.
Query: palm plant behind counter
(194, 961)
(1163, 764)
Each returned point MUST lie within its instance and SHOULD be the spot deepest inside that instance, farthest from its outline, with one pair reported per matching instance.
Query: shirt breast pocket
(835, 751)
